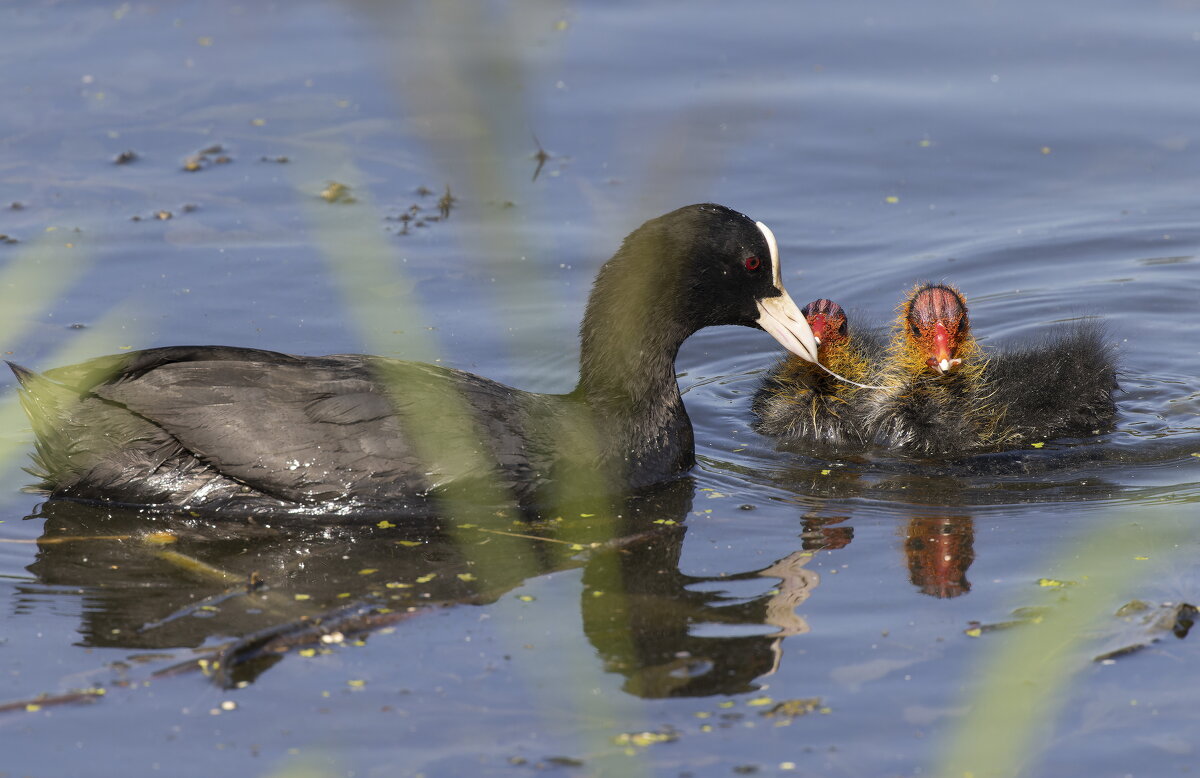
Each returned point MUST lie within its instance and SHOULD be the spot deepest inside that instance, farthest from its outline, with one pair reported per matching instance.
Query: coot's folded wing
(302, 433)
(331, 427)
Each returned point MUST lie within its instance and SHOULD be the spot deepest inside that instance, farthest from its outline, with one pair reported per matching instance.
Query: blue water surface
(1043, 158)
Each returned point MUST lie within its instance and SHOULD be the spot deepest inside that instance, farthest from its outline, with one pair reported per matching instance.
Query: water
(1042, 158)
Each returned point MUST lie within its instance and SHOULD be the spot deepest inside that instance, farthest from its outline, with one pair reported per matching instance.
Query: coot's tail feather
(47, 405)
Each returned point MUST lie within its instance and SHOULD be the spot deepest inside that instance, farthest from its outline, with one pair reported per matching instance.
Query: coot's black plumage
(234, 429)
(798, 401)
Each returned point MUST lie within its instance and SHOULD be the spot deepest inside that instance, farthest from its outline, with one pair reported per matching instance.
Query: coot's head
(699, 266)
(827, 321)
(935, 317)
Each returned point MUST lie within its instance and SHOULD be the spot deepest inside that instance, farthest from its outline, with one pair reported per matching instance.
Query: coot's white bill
(779, 315)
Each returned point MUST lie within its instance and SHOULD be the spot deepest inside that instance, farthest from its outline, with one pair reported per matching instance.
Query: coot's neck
(631, 333)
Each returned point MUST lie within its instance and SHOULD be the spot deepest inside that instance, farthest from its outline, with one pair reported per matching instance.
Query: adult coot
(798, 401)
(259, 432)
(943, 395)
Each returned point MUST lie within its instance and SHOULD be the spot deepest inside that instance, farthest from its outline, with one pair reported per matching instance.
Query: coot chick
(257, 432)
(1062, 386)
(798, 401)
(943, 395)
(935, 397)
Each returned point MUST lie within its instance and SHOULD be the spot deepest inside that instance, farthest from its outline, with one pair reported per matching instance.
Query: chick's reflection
(939, 550)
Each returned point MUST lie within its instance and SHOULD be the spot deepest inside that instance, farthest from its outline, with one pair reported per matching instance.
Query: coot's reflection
(662, 630)
(247, 592)
(826, 532)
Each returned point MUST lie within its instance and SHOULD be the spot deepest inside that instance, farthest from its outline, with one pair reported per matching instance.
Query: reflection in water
(657, 632)
(825, 533)
(171, 583)
(939, 551)
(243, 593)
(939, 548)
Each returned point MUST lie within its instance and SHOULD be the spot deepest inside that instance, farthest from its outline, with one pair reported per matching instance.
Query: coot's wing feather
(85, 376)
(329, 428)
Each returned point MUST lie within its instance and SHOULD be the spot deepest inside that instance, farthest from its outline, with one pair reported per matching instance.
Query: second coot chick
(934, 397)
(943, 395)
(798, 401)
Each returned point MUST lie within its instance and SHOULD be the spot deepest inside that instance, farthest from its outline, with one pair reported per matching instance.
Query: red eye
(753, 263)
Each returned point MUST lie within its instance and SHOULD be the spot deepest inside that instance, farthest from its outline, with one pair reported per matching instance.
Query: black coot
(233, 429)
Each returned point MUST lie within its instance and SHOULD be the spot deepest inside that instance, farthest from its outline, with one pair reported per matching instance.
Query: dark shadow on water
(1064, 470)
(236, 597)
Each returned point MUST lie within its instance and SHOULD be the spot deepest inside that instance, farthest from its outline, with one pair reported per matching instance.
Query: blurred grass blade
(1027, 677)
(105, 337)
(33, 281)
(470, 92)
(30, 285)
